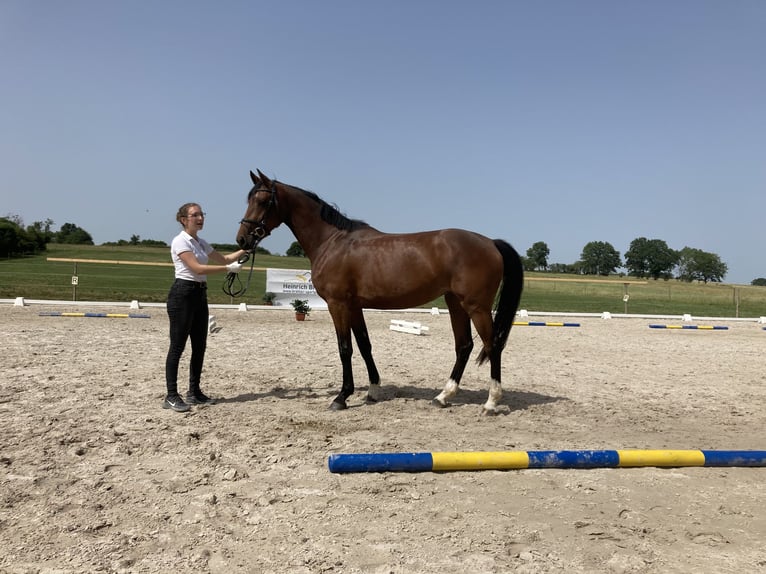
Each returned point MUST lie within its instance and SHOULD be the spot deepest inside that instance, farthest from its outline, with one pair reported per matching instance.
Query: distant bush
(135, 240)
(73, 235)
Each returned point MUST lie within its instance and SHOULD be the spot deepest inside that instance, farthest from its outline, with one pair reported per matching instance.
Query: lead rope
(232, 278)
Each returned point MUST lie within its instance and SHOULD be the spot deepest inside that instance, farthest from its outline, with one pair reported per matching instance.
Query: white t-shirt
(199, 247)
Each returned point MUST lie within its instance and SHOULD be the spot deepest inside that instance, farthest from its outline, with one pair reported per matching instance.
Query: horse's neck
(306, 223)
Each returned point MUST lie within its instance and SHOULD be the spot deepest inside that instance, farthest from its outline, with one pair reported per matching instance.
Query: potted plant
(268, 298)
(301, 307)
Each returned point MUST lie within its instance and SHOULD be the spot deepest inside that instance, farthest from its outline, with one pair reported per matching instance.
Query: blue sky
(557, 121)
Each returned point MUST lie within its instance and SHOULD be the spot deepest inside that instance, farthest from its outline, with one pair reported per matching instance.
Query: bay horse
(355, 266)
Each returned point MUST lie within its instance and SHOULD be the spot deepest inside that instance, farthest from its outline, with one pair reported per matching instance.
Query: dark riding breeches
(188, 313)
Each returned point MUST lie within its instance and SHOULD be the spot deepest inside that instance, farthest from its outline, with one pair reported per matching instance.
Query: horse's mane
(330, 213)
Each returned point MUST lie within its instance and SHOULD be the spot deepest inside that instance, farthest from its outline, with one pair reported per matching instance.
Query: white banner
(289, 284)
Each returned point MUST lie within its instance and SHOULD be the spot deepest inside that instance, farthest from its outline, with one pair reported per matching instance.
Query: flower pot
(300, 316)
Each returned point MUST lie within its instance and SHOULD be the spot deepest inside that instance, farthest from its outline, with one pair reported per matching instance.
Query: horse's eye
(261, 201)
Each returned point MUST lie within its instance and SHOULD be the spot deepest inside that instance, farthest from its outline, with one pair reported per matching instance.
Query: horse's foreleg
(345, 350)
(362, 337)
(340, 318)
(461, 329)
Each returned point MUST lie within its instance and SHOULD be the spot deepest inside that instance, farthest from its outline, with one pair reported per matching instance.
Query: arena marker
(412, 327)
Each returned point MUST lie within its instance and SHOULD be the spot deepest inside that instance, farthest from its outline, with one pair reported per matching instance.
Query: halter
(258, 228)
(258, 232)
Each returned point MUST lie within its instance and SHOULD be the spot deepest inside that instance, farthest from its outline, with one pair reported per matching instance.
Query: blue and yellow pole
(515, 460)
(107, 315)
(698, 327)
(544, 324)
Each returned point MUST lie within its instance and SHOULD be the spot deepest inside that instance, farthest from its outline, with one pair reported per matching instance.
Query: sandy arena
(96, 477)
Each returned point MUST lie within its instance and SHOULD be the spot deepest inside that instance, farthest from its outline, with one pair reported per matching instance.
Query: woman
(187, 304)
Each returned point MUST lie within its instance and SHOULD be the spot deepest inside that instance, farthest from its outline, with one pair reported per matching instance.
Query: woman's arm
(191, 262)
(224, 259)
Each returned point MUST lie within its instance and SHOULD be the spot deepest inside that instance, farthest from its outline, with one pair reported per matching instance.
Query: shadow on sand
(514, 400)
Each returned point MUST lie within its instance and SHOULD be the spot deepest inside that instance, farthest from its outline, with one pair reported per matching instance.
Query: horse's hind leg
(359, 327)
(461, 329)
(483, 323)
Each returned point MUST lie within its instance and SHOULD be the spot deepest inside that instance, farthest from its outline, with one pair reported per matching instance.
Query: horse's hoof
(338, 406)
(440, 404)
(489, 412)
(370, 401)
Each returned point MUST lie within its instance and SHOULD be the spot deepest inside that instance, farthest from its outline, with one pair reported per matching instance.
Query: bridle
(257, 232)
(257, 229)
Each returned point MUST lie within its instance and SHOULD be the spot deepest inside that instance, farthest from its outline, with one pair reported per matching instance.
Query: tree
(650, 258)
(42, 231)
(636, 257)
(711, 268)
(295, 250)
(760, 282)
(10, 237)
(698, 265)
(527, 263)
(538, 255)
(16, 219)
(15, 240)
(70, 233)
(599, 258)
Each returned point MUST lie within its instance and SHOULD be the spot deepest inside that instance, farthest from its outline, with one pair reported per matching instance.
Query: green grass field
(38, 278)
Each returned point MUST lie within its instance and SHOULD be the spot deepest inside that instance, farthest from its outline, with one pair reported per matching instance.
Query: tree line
(645, 258)
(650, 258)
(16, 240)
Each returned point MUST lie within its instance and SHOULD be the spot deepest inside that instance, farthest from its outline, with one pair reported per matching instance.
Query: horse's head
(262, 215)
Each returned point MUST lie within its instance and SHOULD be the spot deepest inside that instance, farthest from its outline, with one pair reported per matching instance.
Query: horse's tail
(510, 296)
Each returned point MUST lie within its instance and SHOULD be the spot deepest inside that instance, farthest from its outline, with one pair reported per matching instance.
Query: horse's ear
(265, 180)
(255, 179)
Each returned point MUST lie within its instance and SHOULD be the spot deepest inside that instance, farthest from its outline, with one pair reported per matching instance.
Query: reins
(232, 278)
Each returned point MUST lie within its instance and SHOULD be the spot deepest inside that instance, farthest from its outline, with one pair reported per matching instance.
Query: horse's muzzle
(251, 240)
(242, 241)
